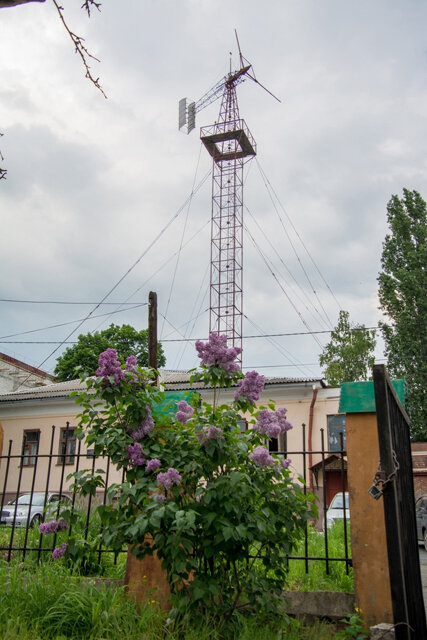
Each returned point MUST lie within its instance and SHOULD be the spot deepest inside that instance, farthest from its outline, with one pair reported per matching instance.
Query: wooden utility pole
(152, 330)
(145, 579)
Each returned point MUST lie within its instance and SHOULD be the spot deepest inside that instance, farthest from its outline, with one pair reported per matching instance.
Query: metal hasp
(230, 144)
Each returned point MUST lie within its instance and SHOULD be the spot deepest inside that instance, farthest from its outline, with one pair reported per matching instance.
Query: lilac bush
(135, 454)
(185, 412)
(53, 526)
(109, 368)
(152, 465)
(250, 387)
(59, 552)
(169, 478)
(261, 457)
(145, 426)
(215, 353)
(208, 496)
(210, 433)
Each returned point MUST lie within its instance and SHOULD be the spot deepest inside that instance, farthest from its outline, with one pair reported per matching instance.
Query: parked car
(421, 515)
(335, 510)
(42, 506)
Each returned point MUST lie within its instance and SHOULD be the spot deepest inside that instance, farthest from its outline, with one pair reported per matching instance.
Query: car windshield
(37, 501)
(337, 502)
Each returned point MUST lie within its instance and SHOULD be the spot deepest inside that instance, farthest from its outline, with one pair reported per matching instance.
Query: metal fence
(20, 535)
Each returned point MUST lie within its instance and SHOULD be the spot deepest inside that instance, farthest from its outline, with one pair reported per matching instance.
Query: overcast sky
(92, 182)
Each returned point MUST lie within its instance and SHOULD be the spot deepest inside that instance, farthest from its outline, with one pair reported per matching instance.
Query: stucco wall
(42, 414)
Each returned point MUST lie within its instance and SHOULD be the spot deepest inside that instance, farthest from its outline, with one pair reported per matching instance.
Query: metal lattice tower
(230, 144)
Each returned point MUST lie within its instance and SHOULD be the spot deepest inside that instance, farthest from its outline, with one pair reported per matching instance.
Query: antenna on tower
(188, 108)
(230, 144)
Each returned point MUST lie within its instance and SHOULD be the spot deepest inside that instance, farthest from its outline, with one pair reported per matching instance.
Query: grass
(105, 565)
(317, 579)
(298, 579)
(50, 603)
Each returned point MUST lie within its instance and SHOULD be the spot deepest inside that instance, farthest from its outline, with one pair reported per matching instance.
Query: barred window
(336, 425)
(67, 446)
(30, 447)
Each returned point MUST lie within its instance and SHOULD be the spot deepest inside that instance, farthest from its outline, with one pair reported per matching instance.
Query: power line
(67, 302)
(107, 295)
(296, 232)
(281, 287)
(322, 320)
(263, 335)
(64, 324)
(181, 241)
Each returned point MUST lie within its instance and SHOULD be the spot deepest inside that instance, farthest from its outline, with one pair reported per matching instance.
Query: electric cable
(152, 243)
(297, 234)
(64, 324)
(320, 318)
(282, 288)
(182, 239)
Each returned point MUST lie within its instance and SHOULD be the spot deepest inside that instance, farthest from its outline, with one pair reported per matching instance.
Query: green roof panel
(359, 397)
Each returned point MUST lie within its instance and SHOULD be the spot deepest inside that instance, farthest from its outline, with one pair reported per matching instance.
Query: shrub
(220, 511)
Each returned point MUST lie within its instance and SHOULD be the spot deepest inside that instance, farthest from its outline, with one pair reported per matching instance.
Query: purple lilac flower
(185, 411)
(281, 418)
(160, 497)
(272, 423)
(250, 387)
(215, 353)
(145, 427)
(268, 424)
(285, 463)
(152, 465)
(109, 366)
(131, 363)
(169, 478)
(261, 457)
(60, 551)
(136, 457)
(53, 526)
(210, 433)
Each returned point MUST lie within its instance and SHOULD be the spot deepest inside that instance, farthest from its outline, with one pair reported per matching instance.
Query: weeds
(50, 603)
(317, 579)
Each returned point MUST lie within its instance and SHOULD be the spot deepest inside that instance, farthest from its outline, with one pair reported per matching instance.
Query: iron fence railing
(46, 478)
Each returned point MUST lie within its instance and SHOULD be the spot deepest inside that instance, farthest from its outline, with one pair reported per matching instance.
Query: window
(243, 425)
(30, 447)
(336, 425)
(273, 445)
(67, 446)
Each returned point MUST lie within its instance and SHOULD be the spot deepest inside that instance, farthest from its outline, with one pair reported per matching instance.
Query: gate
(399, 510)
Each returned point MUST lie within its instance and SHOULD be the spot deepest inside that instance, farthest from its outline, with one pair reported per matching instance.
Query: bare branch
(2, 171)
(78, 41)
(87, 4)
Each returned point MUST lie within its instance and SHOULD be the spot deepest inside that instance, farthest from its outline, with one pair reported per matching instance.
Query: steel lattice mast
(230, 144)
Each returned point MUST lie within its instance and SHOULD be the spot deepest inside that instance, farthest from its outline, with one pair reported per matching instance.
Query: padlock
(375, 492)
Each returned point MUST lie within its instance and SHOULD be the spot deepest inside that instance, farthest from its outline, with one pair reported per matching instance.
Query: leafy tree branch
(402, 286)
(349, 356)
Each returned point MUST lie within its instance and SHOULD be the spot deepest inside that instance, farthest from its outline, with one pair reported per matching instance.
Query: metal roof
(173, 380)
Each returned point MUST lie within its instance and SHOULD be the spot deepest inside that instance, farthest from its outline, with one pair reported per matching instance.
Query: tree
(125, 339)
(402, 294)
(349, 356)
